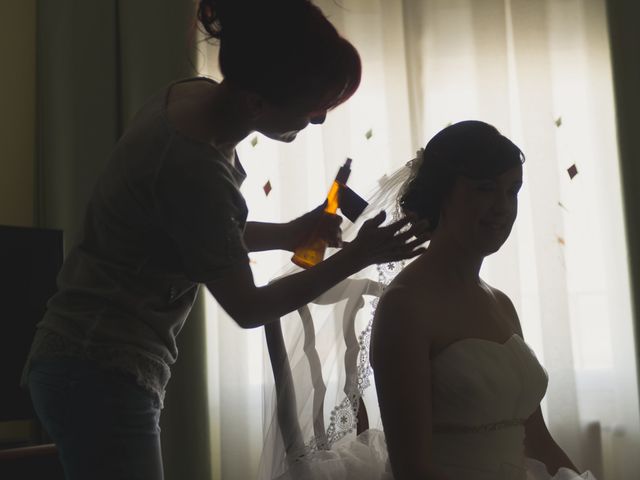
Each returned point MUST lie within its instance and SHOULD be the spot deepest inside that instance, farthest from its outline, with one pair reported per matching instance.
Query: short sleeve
(200, 207)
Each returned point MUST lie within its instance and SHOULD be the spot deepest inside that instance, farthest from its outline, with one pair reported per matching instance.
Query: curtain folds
(622, 17)
(97, 62)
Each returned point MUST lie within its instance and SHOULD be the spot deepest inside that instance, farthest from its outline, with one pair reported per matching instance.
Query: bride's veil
(322, 390)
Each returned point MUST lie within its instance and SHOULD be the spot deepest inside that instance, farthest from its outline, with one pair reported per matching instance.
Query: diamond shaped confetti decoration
(267, 188)
(572, 171)
(368, 134)
(254, 141)
(558, 121)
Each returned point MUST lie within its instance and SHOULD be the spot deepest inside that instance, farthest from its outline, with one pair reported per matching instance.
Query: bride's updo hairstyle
(284, 50)
(470, 149)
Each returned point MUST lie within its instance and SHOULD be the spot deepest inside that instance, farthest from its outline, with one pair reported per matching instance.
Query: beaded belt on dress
(489, 427)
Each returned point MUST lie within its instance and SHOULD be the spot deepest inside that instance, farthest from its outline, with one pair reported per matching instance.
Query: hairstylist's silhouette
(167, 215)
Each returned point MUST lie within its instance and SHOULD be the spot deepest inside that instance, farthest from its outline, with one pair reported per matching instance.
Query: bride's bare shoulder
(416, 303)
(417, 285)
(403, 326)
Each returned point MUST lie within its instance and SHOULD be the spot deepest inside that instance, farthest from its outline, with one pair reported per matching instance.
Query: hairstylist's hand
(397, 241)
(325, 225)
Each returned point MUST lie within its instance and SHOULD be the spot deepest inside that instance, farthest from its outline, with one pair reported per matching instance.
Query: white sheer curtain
(540, 72)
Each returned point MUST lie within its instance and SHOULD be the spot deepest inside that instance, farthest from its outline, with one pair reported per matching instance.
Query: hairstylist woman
(167, 215)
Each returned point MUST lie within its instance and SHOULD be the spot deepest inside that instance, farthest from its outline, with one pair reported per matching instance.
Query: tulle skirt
(365, 458)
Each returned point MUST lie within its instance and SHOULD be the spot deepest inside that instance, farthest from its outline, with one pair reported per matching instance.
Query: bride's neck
(453, 259)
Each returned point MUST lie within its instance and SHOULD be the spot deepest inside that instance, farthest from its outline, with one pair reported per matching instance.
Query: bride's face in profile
(479, 214)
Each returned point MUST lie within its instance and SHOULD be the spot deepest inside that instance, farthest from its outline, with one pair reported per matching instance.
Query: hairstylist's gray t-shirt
(166, 215)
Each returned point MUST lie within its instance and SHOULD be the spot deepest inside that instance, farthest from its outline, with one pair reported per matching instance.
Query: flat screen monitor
(30, 259)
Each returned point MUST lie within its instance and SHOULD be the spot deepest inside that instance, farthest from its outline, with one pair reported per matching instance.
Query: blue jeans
(104, 424)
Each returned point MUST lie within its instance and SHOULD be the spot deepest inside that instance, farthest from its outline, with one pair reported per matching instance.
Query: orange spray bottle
(312, 251)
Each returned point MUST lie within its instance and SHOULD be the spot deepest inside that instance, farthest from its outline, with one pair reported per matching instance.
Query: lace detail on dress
(150, 374)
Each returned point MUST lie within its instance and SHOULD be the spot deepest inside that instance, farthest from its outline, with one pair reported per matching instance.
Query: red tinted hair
(284, 50)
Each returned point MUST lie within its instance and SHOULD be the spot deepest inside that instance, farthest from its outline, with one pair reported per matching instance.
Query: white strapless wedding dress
(482, 393)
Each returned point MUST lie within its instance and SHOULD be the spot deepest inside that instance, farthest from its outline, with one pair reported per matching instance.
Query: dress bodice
(482, 392)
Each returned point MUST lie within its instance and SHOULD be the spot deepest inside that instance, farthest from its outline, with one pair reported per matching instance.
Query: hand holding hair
(399, 240)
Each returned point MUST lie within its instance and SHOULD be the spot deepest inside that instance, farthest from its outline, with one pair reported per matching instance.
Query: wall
(17, 112)
(623, 16)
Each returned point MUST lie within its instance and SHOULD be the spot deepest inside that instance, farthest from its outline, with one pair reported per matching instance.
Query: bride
(458, 388)
(467, 403)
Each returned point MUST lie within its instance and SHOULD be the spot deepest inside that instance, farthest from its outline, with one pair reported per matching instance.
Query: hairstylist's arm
(251, 306)
(259, 236)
